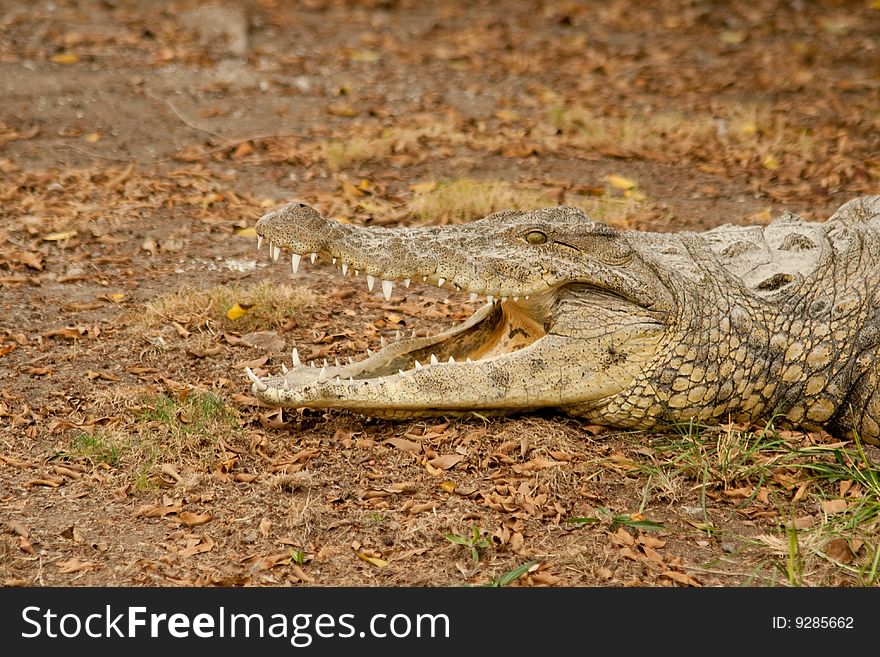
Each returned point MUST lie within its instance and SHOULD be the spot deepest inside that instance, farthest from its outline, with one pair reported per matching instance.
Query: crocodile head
(572, 314)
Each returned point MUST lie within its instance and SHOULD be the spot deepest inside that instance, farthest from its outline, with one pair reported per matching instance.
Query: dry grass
(268, 305)
(464, 199)
(633, 132)
(339, 154)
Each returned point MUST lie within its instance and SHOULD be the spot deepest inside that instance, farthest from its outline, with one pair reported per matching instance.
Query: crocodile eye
(536, 237)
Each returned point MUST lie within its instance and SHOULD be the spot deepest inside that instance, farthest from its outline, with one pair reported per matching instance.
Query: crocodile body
(627, 329)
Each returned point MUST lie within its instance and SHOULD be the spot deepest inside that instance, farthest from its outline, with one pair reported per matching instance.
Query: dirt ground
(139, 142)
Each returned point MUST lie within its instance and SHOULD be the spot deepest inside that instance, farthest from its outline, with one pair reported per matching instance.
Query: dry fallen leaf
(74, 565)
(265, 525)
(194, 519)
(404, 444)
(65, 58)
(59, 237)
(619, 182)
(238, 310)
(446, 461)
(376, 561)
(838, 550)
(834, 506)
(205, 544)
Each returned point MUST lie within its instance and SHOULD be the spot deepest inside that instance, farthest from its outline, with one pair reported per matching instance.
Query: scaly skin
(627, 329)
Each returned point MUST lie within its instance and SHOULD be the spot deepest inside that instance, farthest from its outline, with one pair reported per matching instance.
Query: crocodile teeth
(284, 369)
(441, 281)
(337, 380)
(357, 272)
(406, 282)
(350, 360)
(451, 360)
(397, 335)
(418, 365)
(424, 278)
(371, 281)
(344, 268)
(503, 299)
(469, 361)
(382, 341)
(255, 379)
(351, 379)
(516, 298)
(295, 357)
(490, 298)
(337, 362)
(369, 352)
(325, 362)
(414, 333)
(387, 286)
(401, 373)
(313, 257)
(473, 296)
(294, 261)
(259, 242)
(274, 251)
(434, 360)
(322, 375)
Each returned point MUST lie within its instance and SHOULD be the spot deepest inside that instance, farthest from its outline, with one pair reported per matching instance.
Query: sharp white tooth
(255, 380)
(322, 375)
(337, 380)
(369, 352)
(350, 360)
(274, 251)
(295, 357)
(451, 360)
(313, 257)
(406, 282)
(440, 281)
(259, 242)
(424, 278)
(382, 341)
(312, 364)
(337, 362)
(516, 298)
(526, 297)
(490, 298)
(294, 261)
(334, 260)
(286, 384)
(397, 335)
(371, 281)
(284, 369)
(400, 372)
(503, 299)
(387, 286)
(344, 268)
(469, 361)
(357, 272)
(418, 365)
(414, 333)
(473, 297)
(325, 362)
(351, 379)
(434, 360)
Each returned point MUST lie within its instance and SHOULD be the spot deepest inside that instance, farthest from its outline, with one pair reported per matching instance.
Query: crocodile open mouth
(501, 326)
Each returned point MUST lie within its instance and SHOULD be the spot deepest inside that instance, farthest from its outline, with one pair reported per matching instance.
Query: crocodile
(627, 329)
